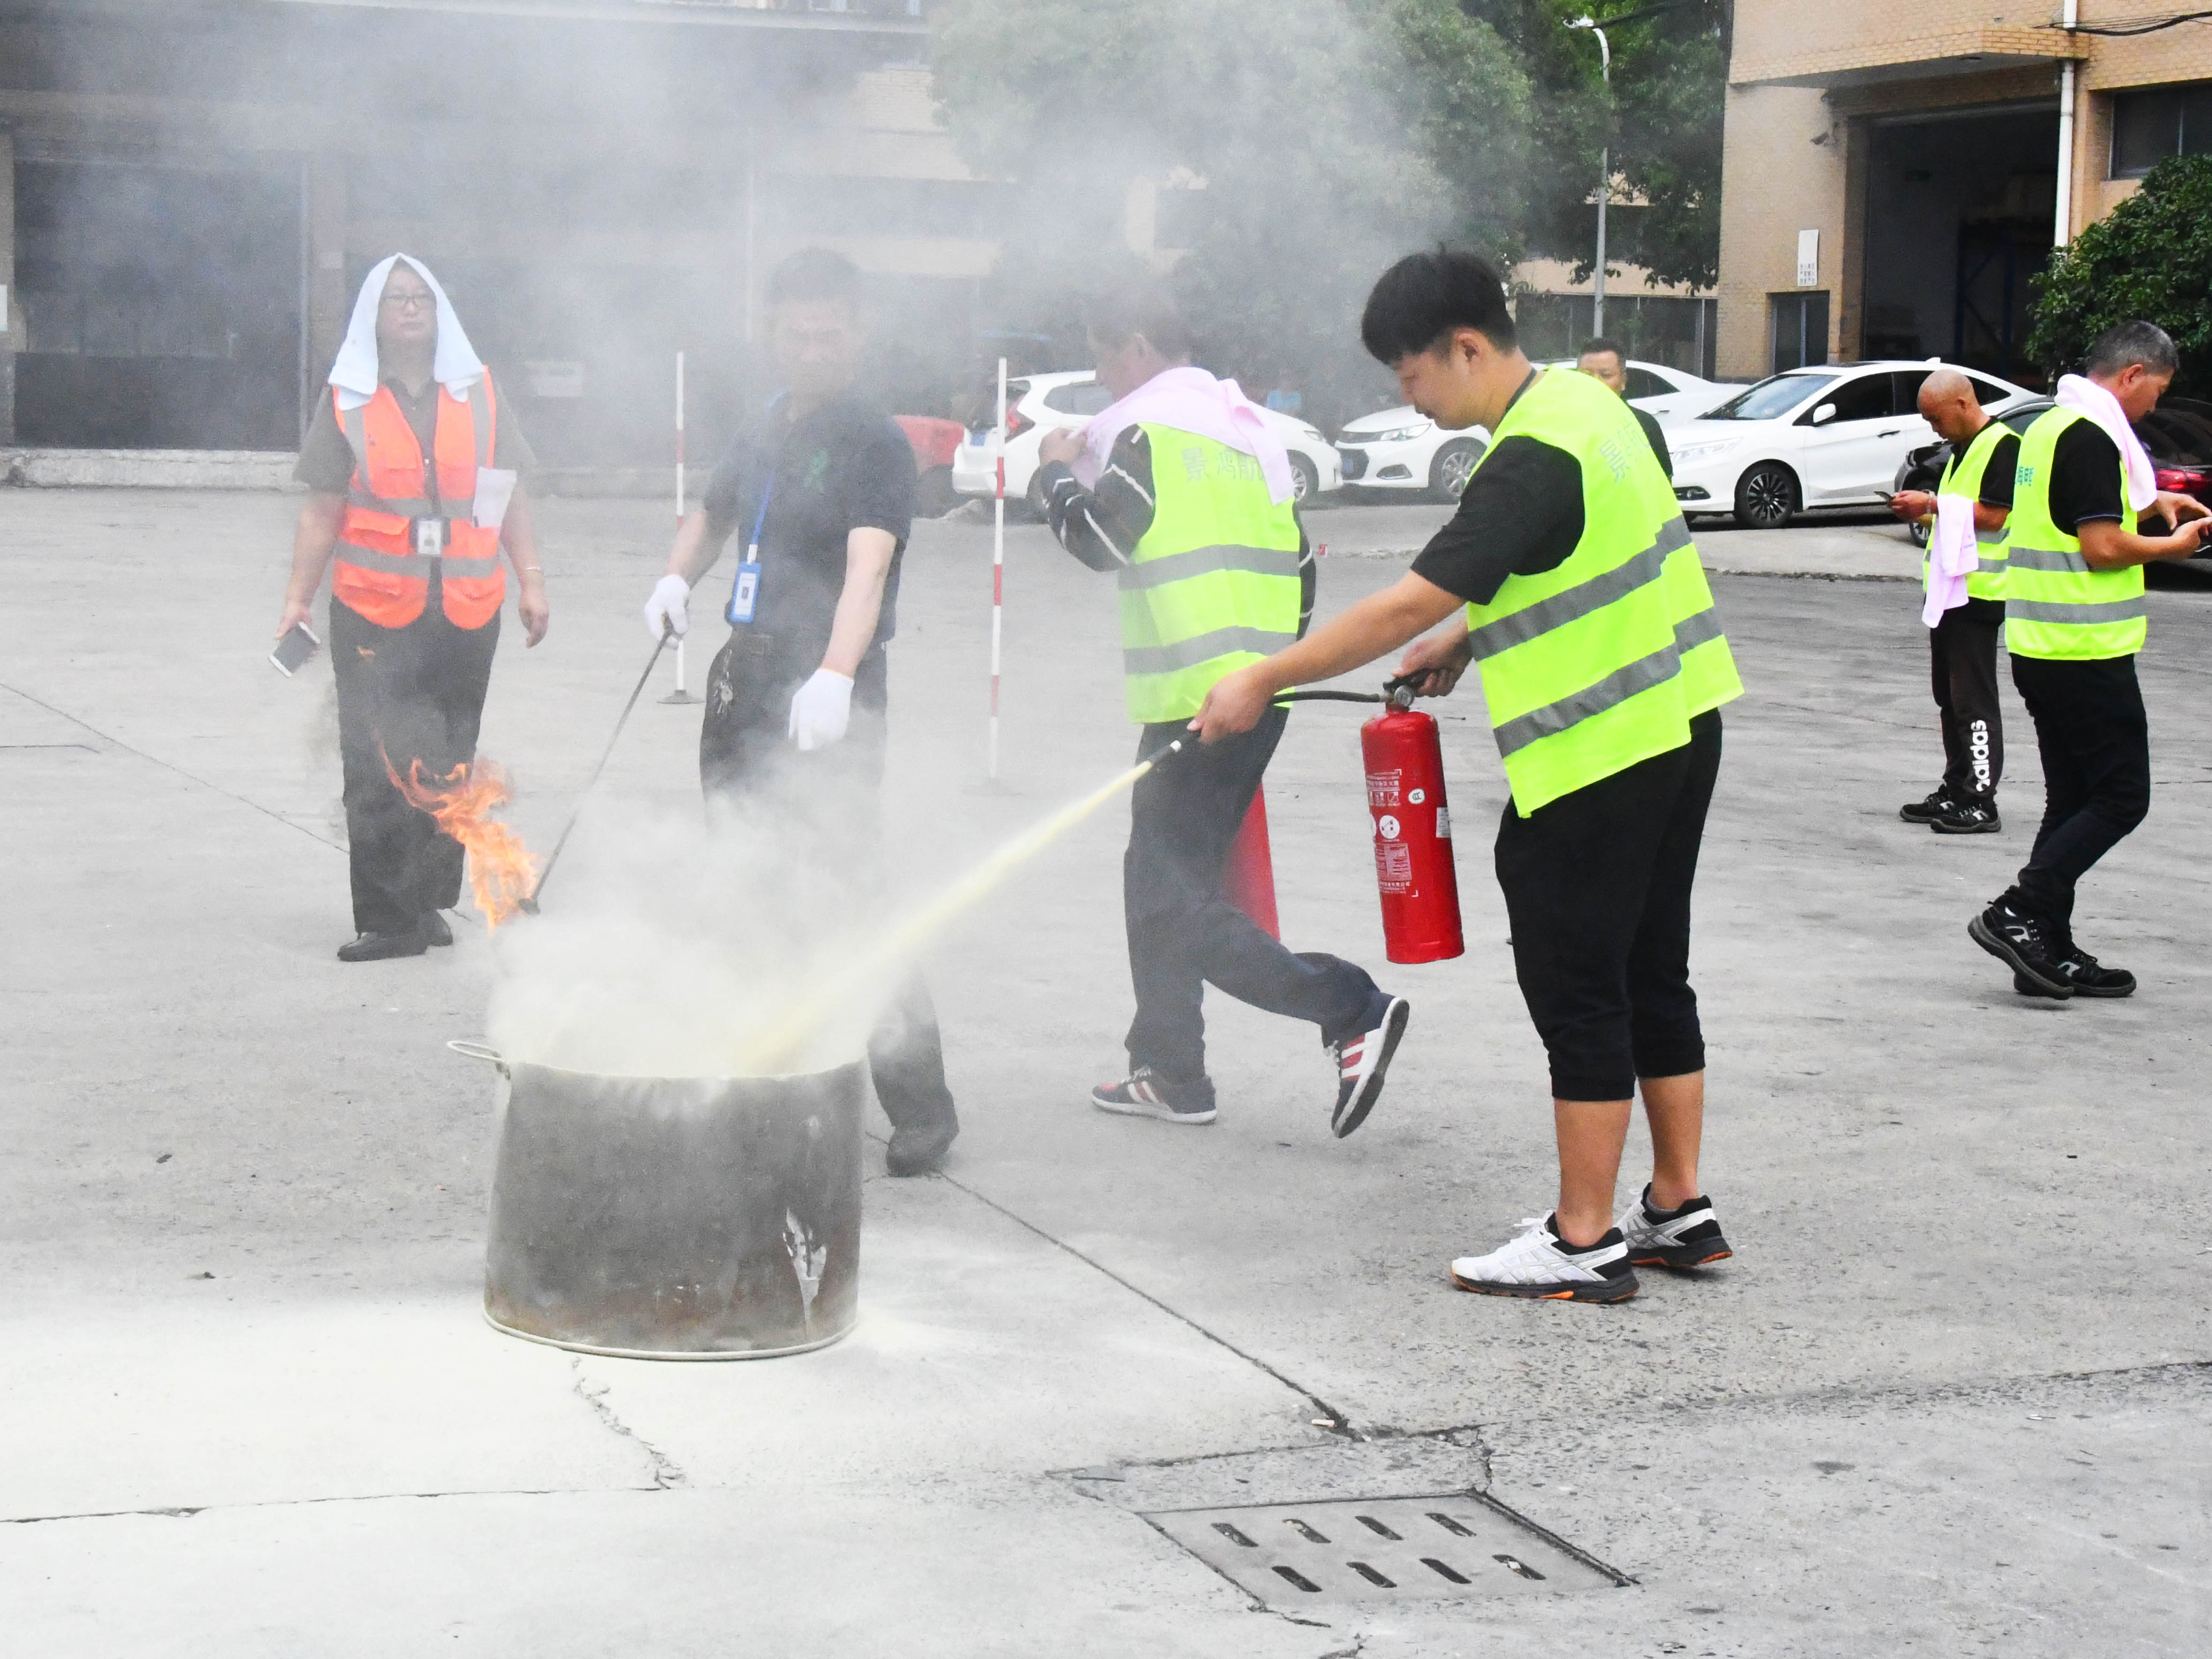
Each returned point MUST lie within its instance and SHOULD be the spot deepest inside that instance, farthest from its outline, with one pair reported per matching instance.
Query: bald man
(1962, 646)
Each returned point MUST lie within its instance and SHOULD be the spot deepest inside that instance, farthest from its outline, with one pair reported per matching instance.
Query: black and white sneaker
(2018, 942)
(1967, 817)
(1541, 1265)
(1687, 1238)
(1927, 811)
(2088, 977)
(1362, 1059)
(1145, 1093)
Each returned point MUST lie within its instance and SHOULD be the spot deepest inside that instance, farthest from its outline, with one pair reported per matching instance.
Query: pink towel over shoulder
(2087, 398)
(1191, 400)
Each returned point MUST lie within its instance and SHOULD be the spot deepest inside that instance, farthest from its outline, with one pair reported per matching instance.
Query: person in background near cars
(1184, 490)
(2075, 619)
(822, 490)
(1962, 641)
(414, 469)
(1569, 580)
(1601, 359)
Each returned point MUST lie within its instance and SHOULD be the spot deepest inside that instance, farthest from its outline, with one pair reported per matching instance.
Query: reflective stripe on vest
(2057, 607)
(1962, 476)
(1212, 585)
(1600, 663)
(379, 573)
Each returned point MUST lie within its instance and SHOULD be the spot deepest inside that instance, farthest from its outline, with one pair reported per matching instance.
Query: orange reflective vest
(381, 573)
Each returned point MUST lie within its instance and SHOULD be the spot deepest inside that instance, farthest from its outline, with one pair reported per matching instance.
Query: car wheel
(1766, 496)
(1033, 497)
(1453, 466)
(1919, 533)
(1306, 482)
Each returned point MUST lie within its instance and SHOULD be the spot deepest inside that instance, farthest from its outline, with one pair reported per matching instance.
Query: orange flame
(502, 873)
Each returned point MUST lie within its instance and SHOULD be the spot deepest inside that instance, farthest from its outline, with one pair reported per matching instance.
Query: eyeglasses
(410, 301)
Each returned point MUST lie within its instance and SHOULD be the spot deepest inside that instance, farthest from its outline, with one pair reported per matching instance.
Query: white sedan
(1402, 449)
(1037, 403)
(1827, 436)
(1669, 394)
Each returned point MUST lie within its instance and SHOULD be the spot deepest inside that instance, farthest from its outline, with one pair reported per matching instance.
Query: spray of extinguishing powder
(791, 1026)
(744, 952)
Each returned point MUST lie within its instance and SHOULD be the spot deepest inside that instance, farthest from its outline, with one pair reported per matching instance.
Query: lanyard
(744, 587)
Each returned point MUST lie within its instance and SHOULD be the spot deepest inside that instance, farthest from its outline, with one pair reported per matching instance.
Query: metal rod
(660, 645)
(997, 569)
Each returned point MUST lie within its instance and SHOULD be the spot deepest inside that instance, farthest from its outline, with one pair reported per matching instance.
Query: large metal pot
(675, 1218)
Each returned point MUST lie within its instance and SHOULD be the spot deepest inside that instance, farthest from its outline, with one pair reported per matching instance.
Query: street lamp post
(1604, 175)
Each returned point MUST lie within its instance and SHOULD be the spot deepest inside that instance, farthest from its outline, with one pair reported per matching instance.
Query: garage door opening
(1959, 214)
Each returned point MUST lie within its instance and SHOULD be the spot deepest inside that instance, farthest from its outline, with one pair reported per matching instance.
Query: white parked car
(1669, 394)
(1402, 449)
(1037, 402)
(1827, 436)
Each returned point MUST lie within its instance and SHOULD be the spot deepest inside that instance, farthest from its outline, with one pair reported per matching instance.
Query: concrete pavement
(1949, 1398)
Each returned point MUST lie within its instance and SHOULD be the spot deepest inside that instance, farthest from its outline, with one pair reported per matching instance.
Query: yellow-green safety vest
(1600, 663)
(2056, 606)
(1962, 476)
(1213, 584)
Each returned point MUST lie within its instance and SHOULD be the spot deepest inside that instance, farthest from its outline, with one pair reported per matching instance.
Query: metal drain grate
(1453, 1544)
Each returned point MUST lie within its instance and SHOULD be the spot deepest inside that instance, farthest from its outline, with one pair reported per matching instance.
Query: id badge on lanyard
(744, 591)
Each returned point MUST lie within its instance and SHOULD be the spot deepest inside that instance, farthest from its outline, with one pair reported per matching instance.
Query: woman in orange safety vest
(413, 469)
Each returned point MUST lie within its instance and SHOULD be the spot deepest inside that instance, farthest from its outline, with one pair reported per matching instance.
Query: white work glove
(821, 709)
(665, 610)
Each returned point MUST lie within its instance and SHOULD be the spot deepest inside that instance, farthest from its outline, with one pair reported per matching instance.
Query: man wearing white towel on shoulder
(2075, 618)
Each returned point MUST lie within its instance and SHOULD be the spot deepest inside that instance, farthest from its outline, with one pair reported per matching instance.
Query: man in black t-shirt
(822, 493)
(1601, 359)
(2075, 618)
(1962, 646)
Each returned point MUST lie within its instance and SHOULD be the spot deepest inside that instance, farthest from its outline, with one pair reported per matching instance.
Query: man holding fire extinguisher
(1181, 488)
(1603, 666)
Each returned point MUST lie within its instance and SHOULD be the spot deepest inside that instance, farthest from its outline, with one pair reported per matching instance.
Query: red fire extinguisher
(1413, 863)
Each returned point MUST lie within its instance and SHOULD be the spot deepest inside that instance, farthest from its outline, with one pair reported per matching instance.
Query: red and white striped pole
(679, 694)
(998, 566)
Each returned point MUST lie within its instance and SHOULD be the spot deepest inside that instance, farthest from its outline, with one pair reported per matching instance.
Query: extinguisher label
(1443, 824)
(1393, 866)
(1382, 789)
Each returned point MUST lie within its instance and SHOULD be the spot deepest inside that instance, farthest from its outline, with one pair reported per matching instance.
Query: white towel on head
(456, 365)
(2085, 398)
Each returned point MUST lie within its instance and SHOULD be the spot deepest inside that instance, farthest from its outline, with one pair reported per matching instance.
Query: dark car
(2178, 433)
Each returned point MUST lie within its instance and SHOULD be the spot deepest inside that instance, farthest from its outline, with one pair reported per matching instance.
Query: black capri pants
(1597, 891)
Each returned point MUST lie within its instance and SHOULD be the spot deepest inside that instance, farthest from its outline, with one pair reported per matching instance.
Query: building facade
(190, 190)
(1895, 170)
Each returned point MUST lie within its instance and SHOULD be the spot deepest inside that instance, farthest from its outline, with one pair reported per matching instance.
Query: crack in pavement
(665, 1474)
(1336, 1422)
(186, 1511)
(171, 766)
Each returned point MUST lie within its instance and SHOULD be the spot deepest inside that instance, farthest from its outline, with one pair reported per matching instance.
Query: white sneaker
(1690, 1237)
(1536, 1264)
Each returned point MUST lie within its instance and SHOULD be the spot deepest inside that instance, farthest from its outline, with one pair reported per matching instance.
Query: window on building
(1797, 329)
(2158, 122)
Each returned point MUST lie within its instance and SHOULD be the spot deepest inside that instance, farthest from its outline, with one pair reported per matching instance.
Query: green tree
(1328, 137)
(1662, 126)
(2150, 258)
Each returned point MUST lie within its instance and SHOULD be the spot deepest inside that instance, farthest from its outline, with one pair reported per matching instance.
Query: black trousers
(831, 798)
(1183, 932)
(2094, 739)
(1962, 661)
(1597, 891)
(415, 694)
